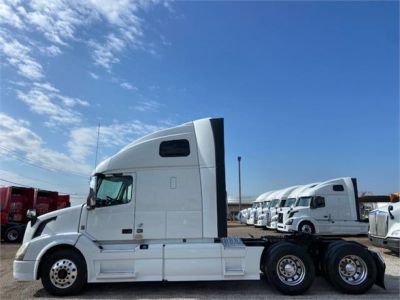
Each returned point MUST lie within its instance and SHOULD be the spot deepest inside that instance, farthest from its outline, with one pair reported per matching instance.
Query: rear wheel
(289, 268)
(64, 273)
(307, 227)
(13, 235)
(351, 268)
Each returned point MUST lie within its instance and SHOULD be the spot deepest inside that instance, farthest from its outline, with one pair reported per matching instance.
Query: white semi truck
(329, 208)
(290, 203)
(280, 200)
(252, 216)
(384, 227)
(264, 218)
(261, 214)
(156, 211)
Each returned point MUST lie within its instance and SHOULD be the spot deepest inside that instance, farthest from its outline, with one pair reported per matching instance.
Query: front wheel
(306, 227)
(351, 269)
(289, 268)
(64, 273)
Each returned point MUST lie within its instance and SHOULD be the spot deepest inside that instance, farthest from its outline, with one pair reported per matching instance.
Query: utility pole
(240, 185)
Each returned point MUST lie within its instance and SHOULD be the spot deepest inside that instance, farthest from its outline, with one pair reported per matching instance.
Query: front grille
(280, 218)
(381, 223)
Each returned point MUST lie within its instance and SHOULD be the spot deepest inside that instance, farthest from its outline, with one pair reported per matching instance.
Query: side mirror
(390, 208)
(31, 215)
(91, 199)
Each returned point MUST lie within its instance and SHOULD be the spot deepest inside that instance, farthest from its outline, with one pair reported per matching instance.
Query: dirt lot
(321, 289)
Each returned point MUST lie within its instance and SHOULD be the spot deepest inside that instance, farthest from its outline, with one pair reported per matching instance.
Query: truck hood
(60, 212)
(299, 209)
(61, 221)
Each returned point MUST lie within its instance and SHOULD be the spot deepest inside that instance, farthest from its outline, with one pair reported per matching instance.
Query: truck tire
(325, 257)
(289, 268)
(64, 273)
(306, 227)
(13, 235)
(351, 268)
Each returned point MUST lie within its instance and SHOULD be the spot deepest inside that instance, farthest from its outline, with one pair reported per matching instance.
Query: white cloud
(46, 86)
(93, 75)
(128, 86)
(17, 139)
(8, 15)
(51, 50)
(45, 99)
(39, 102)
(83, 140)
(60, 21)
(147, 106)
(18, 55)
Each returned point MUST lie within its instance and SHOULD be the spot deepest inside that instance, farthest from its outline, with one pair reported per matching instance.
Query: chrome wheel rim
(306, 228)
(353, 269)
(12, 235)
(290, 270)
(63, 273)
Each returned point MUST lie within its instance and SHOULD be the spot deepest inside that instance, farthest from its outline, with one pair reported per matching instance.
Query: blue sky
(308, 90)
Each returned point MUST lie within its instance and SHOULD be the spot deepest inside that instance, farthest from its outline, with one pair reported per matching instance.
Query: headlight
(289, 222)
(21, 251)
(396, 233)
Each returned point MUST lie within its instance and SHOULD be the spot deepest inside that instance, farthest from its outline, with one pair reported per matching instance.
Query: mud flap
(380, 268)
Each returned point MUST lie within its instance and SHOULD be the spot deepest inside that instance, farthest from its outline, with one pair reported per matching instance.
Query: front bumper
(24, 270)
(392, 244)
(261, 223)
(272, 225)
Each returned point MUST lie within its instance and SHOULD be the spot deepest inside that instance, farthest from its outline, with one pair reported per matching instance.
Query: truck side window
(114, 190)
(174, 148)
(319, 202)
(338, 188)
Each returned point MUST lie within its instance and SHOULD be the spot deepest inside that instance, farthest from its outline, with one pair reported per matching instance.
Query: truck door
(320, 213)
(113, 217)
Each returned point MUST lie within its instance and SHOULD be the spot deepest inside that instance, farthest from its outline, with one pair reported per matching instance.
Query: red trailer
(63, 201)
(45, 201)
(14, 202)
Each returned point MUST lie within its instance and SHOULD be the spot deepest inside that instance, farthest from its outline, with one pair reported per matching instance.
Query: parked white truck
(283, 213)
(329, 208)
(252, 216)
(260, 210)
(280, 199)
(175, 176)
(261, 214)
(264, 218)
(384, 227)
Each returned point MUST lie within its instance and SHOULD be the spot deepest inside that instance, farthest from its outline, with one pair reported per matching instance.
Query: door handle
(325, 216)
(126, 231)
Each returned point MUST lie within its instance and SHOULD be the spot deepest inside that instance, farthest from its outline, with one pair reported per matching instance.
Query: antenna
(97, 145)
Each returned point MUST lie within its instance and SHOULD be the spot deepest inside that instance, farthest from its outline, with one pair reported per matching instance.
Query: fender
(45, 243)
(307, 219)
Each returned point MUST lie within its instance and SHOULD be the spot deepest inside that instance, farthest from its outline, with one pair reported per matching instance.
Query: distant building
(233, 204)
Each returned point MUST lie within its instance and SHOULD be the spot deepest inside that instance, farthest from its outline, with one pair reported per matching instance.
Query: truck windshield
(290, 202)
(274, 203)
(114, 190)
(266, 204)
(304, 201)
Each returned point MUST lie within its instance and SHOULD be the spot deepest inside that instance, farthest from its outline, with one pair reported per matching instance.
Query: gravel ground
(321, 289)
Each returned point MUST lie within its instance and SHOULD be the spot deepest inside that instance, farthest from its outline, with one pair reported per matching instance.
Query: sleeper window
(174, 148)
(338, 188)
